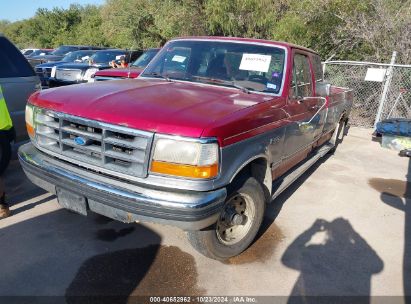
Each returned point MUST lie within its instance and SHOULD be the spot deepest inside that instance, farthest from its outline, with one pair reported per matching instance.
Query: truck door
(301, 108)
(18, 81)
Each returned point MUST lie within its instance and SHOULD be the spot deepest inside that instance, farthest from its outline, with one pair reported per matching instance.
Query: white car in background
(27, 52)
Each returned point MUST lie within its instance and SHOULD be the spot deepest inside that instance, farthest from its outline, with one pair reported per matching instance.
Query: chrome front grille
(68, 75)
(98, 146)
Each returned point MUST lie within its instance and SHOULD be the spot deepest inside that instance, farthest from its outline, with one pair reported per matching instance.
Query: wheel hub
(235, 221)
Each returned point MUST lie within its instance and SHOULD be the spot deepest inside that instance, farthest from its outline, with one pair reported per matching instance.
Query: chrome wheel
(236, 219)
(237, 225)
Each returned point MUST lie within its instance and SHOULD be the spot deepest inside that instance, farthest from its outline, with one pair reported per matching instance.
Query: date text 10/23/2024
(203, 299)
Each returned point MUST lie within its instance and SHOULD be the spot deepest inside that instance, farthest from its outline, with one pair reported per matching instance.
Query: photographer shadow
(334, 261)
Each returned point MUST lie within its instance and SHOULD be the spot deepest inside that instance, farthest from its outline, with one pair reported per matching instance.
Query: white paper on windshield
(179, 58)
(255, 62)
(374, 74)
(119, 56)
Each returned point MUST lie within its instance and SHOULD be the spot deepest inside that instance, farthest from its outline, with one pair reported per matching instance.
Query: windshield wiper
(157, 75)
(244, 89)
(226, 82)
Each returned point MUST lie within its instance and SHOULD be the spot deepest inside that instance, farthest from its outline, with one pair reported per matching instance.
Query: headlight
(185, 158)
(53, 72)
(89, 73)
(30, 120)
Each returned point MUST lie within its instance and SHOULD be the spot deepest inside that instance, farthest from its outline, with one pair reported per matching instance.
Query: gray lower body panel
(120, 200)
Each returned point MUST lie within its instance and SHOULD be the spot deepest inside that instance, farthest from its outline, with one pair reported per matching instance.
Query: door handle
(300, 124)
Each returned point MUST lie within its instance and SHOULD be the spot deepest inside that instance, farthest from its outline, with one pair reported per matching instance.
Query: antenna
(129, 63)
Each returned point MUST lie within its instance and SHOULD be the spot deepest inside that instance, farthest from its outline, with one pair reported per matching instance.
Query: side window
(301, 83)
(176, 60)
(13, 63)
(318, 68)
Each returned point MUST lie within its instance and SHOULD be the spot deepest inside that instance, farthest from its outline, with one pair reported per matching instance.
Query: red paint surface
(121, 73)
(176, 108)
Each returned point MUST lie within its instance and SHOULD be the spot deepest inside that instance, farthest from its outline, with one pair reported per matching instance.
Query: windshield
(77, 55)
(144, 59)
(63, 50)
(36, 53)
(249, 66)
(105, 56)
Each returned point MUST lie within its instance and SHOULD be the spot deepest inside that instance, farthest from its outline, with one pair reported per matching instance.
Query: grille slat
(123, 156)
(90, 148)
(113, 149)
(136, 144)
(53, 136)
(90, 135)
(52, 124)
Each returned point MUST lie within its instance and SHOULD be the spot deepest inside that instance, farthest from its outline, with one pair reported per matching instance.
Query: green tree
(150, 23)
(243, 18)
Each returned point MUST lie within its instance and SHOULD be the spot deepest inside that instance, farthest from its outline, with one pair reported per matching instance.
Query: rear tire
(237, 225)
(338, 135)
(5, 153)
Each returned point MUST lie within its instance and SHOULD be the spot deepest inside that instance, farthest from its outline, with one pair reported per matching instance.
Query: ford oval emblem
(81, 141)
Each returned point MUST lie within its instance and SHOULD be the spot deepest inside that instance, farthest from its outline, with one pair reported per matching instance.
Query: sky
(24, 9)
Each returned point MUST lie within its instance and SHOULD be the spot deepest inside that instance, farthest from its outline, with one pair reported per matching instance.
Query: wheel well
(261, 171)
(344, 116)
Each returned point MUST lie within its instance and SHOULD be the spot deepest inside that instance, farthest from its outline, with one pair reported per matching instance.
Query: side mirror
(322, 89)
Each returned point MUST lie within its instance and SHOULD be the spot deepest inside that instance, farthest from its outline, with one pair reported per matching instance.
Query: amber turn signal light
(30, 130)
(184, 170)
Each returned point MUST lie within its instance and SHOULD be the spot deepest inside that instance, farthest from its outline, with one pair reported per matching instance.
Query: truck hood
(124, 73)
(178, 108)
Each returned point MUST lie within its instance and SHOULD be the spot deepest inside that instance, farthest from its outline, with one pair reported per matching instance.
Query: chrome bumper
(120, 200)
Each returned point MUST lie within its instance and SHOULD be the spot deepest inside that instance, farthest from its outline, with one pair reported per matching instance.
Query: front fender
(235, 157)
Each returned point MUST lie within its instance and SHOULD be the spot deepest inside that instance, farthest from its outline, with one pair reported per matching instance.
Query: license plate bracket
(72, 201)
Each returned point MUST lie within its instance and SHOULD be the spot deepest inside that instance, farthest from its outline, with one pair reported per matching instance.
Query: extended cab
(209, 134)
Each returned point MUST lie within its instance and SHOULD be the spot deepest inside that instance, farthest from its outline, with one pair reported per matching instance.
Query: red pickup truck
(209, 134)
(122, 73)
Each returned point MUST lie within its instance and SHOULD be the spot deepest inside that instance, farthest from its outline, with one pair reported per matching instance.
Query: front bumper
(122, 200)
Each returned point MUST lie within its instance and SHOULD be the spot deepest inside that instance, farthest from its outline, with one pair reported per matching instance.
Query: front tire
(5, 153)
(237, 225)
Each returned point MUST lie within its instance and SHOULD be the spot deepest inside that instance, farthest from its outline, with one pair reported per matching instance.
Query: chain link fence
(387, 97)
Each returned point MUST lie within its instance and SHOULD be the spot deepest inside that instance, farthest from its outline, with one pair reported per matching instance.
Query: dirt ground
(343, 229)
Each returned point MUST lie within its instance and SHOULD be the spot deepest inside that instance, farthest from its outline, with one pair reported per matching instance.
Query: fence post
(386, 88)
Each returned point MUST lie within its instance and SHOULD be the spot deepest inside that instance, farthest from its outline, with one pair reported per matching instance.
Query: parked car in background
(40, 52)
(72, 73)
(131, 72)
(59, 53)
(44, 70)
(211, 132)
(26, 52)
(18, 81)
